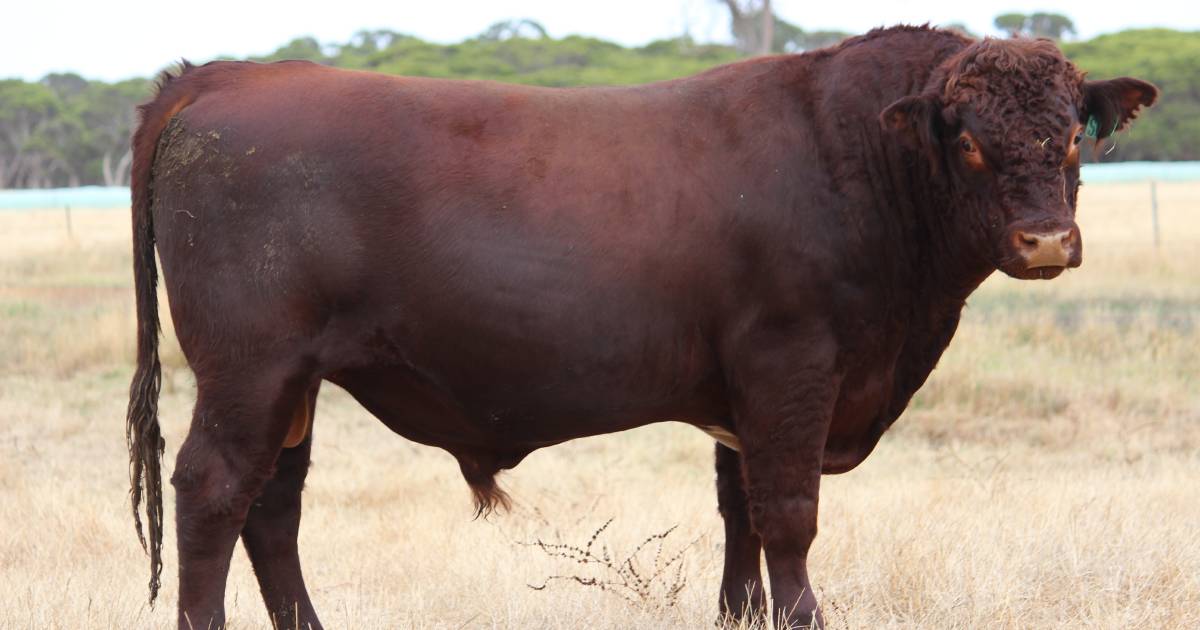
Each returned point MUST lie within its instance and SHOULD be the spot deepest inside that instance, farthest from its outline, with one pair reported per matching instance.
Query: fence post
(1154, 210)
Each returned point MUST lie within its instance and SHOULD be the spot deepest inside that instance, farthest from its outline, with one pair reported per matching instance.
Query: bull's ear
(1114, 103)
(914, 120)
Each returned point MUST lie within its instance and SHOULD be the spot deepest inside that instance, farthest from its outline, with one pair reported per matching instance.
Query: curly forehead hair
(1031, 71)
(1018, 89)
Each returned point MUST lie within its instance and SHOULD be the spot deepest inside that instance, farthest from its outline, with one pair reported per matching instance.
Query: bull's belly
(519, 416)
(457, 404)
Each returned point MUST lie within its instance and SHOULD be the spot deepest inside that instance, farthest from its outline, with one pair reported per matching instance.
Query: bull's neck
(935, 271)
(948, 265)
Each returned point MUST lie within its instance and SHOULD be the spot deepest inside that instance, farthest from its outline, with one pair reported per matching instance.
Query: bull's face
(1004, 128)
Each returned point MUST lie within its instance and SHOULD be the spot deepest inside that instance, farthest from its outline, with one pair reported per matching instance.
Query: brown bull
(775, 251)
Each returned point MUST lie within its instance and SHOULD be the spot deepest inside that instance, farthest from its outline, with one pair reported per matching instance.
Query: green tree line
(65, 130)
(1167, 58)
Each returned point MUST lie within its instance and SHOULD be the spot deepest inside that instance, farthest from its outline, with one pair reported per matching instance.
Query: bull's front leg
(784, 399)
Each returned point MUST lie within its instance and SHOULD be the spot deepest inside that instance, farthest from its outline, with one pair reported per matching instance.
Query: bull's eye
(1079, 137)
(966, 145)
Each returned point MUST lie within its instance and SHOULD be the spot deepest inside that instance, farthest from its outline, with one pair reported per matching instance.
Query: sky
(122, 39)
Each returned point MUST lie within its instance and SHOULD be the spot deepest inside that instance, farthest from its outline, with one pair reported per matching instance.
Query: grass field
(1048, 475)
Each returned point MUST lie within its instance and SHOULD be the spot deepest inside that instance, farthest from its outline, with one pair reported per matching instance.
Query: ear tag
(1093, 126)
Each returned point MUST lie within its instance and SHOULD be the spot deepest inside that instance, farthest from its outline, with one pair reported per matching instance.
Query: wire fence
(100, 197)
(1169, 217)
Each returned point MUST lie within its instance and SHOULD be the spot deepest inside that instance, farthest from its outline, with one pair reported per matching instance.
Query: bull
(776, 251)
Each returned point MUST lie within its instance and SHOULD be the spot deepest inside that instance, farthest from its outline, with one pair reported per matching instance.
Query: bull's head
(1002, 124)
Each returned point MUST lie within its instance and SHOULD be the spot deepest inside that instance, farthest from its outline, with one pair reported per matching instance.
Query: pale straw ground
(1048, 475)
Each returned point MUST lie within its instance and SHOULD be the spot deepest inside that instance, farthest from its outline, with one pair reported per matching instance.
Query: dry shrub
(646, 580)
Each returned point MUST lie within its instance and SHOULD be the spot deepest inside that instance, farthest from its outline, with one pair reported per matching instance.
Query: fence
(98, 197)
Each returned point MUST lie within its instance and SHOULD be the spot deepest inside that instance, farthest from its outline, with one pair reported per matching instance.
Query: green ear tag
(1093, 126)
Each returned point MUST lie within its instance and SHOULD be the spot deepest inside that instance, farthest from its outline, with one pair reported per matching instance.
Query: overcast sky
(114, 40)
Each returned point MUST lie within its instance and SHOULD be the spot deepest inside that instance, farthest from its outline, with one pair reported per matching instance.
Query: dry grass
(1047, 476)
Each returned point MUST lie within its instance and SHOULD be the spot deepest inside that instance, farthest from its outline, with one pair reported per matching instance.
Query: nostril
(1046, 249)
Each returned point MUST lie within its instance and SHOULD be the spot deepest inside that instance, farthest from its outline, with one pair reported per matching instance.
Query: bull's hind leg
(273, 523)
(238, 428)
(742, 595)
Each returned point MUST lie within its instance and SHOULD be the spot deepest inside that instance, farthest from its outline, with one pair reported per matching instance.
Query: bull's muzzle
(1047, 249)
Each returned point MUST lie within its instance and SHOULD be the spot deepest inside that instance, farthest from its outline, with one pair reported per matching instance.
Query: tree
(752, 24)
(514, 29)
(757, 30)
(107, 115)
(1051, 25)
(961, 28)
(306, 48)
(66, 85)
(1011, 23)
(27, 111)
(809, 40)
(1169, 59)
(67, 131)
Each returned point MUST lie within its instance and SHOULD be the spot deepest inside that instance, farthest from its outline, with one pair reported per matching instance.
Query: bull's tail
(141, 420)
